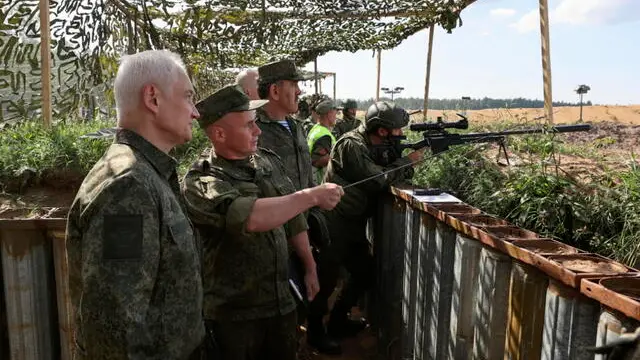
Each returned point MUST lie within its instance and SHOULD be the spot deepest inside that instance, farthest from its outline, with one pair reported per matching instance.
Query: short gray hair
(159, 67)
(244, 76)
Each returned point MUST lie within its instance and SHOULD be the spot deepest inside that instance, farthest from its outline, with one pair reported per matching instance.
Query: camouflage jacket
(245, 274)
(291, 147)
(345, 125)
(352, 161)
(134, 265)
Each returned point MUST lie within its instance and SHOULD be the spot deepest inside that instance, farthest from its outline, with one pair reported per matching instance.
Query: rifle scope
(441, 125)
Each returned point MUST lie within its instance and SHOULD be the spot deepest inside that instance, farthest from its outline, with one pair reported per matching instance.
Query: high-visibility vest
(317, 132)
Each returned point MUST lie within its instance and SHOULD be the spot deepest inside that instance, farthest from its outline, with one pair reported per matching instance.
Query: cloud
(583, 12)
(528, 22)
(502, 12)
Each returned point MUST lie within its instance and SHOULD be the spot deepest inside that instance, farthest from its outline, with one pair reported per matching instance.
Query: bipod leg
(503, 147)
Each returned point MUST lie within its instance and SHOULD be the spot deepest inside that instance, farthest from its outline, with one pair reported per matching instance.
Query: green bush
(598, 214)
(60, 149)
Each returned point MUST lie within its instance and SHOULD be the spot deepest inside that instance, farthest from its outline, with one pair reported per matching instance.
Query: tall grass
(598, 213)
(30, 145)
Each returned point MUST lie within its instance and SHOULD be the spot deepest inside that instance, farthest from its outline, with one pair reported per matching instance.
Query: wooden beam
(378, 77)
(427, 80)
(315, 73)
(546, 60)
(45, 62)
(334, 87)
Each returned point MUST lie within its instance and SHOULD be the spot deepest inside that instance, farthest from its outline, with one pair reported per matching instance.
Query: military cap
(325, 106)
(228, 99)
(279, 70)
(350, 104)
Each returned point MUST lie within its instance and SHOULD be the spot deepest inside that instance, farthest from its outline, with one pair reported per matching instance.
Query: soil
(627, 287)
(547, 248)
(43, 199)
(593, 266)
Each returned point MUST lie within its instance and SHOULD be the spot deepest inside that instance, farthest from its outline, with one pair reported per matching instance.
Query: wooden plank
(45, 62)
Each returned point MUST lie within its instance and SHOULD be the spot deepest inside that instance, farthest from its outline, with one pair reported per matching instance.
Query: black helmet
(387, 115)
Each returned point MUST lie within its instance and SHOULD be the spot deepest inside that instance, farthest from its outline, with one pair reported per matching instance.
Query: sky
(496, 53)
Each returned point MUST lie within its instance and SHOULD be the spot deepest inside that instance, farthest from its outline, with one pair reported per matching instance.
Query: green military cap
(279, 70)
(229, 99)
(325, 106)
(350, 104)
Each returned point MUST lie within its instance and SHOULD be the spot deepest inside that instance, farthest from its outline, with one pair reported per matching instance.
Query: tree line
(415, 103)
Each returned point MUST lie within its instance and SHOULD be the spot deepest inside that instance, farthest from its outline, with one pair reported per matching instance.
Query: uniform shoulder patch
(122, 237)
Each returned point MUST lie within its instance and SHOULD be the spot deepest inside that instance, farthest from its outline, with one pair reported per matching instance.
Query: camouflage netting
(211, 35)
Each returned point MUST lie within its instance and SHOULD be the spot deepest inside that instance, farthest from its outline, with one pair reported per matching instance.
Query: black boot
(318, 339)
(341, 325)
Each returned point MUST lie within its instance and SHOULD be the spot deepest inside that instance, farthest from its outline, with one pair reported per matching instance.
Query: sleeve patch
(122, 236)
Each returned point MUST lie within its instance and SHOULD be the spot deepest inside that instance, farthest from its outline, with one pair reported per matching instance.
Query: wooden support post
(378, 77)
(334, 87)
(45, 62)
(427, 80)
(546, 60)
(315, 73)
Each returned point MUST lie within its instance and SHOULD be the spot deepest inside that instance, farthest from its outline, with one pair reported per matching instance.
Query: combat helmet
(387, 115)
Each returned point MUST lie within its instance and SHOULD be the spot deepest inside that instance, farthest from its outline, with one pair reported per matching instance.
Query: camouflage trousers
(268, 338)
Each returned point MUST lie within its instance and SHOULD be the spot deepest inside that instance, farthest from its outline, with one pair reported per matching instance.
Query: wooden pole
(315, 73)
(546, 60)
(378, 77)
(427, 80)
(334, 87)
(45, 62)
(320, 85)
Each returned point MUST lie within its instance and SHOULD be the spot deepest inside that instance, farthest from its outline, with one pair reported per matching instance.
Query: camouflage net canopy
(88, 36)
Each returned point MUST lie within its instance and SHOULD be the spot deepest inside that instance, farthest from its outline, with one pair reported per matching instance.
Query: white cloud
(578, 12)
(583, 12)
(502, 12)
(530, 21)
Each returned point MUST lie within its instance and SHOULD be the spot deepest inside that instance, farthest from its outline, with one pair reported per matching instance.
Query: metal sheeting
(29, 294)
(465, 286)
(410, 282)
(389, 297)
(570, 324)
(439, 275)
(490, 314)
(611, 324)
(525, 321)
(65, 311)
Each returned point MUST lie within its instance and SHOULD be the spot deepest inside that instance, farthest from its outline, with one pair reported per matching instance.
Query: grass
(598, 213)
(60, 149)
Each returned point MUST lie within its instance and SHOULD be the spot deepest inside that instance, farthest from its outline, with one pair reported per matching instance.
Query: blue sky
(496, 53)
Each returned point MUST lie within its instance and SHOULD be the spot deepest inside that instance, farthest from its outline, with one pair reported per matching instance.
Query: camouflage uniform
(290, 145)
(348, 122)
(245, 275)
(134, 265)
(352, 160)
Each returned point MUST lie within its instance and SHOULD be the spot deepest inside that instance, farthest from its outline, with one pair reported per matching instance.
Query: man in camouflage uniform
(247, 212)
(358, 155)
(349, 121)
(320, 139)
(134, 265)
(278, 83)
